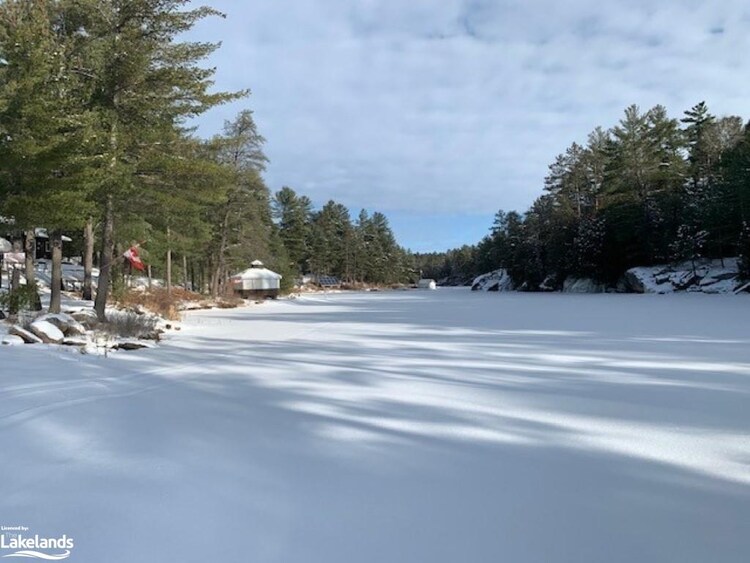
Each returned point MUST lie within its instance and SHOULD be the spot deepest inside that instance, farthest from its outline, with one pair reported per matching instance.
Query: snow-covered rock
(12, 340)
(499, 280)
(48, 332)
(66, 323)
(582, 285)
(76, 341)
(132, 344)
(87, 317)
(27, 336)
(706, 276)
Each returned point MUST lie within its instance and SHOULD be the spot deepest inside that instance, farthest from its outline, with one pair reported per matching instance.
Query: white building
(426, 284)
(256, 282)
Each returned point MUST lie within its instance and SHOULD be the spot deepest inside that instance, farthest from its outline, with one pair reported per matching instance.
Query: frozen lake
(436, 426)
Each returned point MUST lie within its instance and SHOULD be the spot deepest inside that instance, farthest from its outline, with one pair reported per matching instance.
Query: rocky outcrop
(705, 276)
(582, 285)
(499, 280)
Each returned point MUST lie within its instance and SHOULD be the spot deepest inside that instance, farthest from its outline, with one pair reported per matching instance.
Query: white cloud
(451, 106)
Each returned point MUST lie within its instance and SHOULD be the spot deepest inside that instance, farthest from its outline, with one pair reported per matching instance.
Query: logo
(19, 541)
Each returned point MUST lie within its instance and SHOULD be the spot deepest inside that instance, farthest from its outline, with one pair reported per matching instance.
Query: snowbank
(707, 276)
(499, 280)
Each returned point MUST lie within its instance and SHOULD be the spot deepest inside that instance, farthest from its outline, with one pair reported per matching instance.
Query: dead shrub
(160, 301)
(128, 324)
(229, 302)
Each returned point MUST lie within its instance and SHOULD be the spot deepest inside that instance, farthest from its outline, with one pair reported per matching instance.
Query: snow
(402, 426)
(12, 340)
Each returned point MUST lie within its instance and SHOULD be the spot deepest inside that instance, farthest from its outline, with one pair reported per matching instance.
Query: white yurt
(426, 284)
(257, 282)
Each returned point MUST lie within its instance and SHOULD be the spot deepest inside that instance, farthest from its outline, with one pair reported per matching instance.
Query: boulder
(13, 340)
(153, 335)
(499, 280)
(66, 323)
(132, 345)
(27, 336)
(75, 341)
(87, 317)
(48, 332)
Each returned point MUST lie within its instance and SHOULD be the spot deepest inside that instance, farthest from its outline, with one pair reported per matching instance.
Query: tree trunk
(15, 282)
(219, 274)
(88, 258)
(105, 261)
(150, 278)
(185, 272)
(56, 278)
(169, 262)
(29, 248)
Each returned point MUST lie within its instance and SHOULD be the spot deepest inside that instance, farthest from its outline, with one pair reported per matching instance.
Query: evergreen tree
(143, 79)
(43, 124)
(293, 215)
(242, 231)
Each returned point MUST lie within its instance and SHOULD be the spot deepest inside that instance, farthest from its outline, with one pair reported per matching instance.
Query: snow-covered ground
(395, 427)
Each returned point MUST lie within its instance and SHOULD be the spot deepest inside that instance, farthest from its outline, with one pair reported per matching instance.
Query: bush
(128, 324)
(159, 300)
(22, 298)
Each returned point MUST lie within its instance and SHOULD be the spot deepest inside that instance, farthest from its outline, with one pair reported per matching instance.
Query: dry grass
(129, 324)
(164, 304)
(229, 302)
(160, 301)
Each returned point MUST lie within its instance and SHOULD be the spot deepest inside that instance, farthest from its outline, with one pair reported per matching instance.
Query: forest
(97, 99)
(653, 189)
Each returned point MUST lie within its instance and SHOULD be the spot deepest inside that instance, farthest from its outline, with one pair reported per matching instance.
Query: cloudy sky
(440, 112)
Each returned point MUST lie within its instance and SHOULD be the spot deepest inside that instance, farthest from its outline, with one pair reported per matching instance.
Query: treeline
(329, 242)
(650, 190)
(96, 97)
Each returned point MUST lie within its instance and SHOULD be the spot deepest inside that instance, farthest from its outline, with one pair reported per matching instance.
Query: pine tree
(243, 221)
(44, 125)
(293, 215)
(143, 79)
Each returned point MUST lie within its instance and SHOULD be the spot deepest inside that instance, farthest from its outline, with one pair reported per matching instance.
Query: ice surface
(401, 427)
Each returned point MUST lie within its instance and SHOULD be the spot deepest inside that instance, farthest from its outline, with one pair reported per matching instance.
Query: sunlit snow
(408, 426)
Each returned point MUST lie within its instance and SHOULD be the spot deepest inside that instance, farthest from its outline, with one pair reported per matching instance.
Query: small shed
(257, 282)
(426, 284)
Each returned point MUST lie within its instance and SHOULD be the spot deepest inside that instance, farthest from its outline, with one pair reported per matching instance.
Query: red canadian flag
(131, 255)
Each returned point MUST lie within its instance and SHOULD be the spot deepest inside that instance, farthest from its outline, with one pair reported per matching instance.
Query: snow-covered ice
(395, 427)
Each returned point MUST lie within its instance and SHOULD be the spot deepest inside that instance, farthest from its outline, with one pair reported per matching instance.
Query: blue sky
(440, 112)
